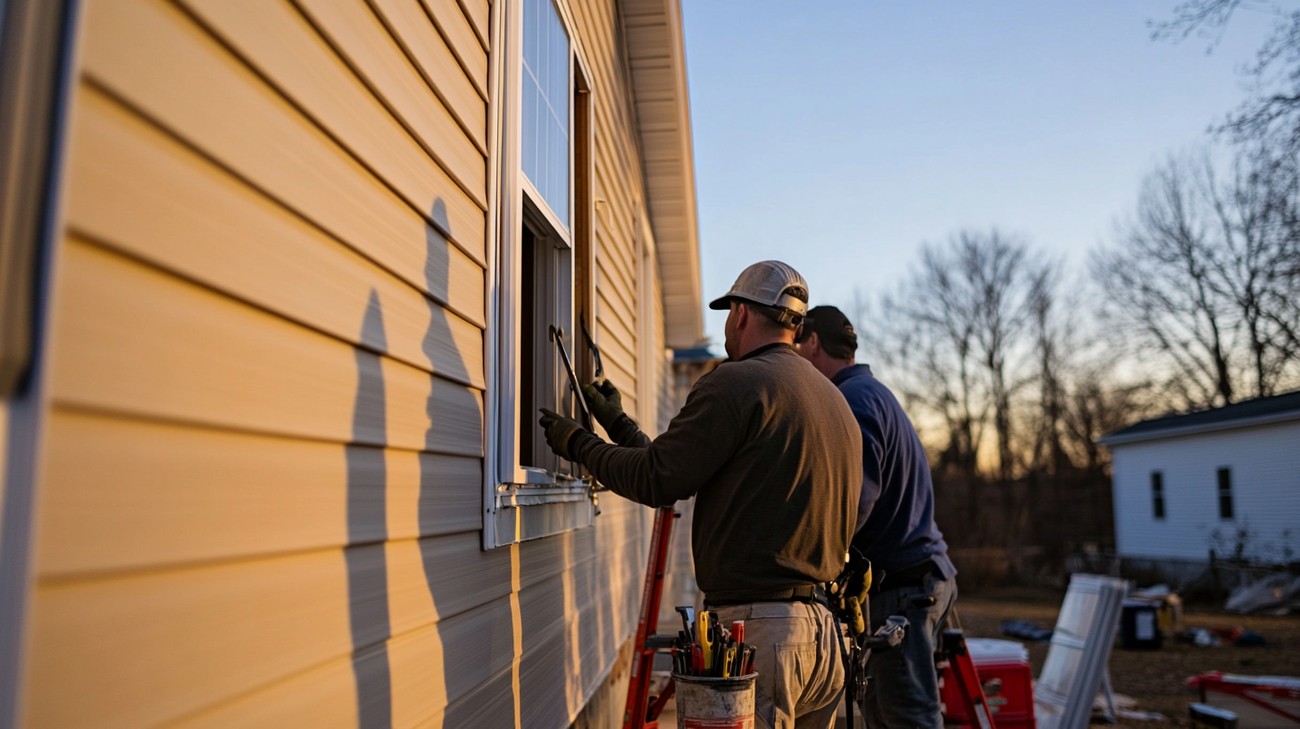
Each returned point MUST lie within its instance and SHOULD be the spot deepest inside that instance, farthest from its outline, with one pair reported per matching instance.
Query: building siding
(1265, 468)
(262, 496)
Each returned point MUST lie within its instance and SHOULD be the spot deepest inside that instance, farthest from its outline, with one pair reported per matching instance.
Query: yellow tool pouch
(848, 597)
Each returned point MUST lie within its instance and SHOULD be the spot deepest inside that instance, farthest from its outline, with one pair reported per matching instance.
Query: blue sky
(839, 136)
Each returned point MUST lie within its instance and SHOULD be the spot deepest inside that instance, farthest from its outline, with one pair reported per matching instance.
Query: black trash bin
(1139, 626)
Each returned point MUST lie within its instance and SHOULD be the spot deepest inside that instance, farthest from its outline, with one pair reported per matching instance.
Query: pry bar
(558, 336)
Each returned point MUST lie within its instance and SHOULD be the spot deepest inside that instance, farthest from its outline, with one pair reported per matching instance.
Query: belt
(802, 593)
(910, 576)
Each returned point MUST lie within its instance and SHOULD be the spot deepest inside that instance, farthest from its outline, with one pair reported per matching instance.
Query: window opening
(1225, 493)
(1158, 494)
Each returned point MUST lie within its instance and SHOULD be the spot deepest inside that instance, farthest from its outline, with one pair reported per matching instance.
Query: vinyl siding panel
(251, 371)
(460, 35)
(262, 490)
(476, 11)
(149, 55)
(1265, 469)
(226, 250)
(169, 495)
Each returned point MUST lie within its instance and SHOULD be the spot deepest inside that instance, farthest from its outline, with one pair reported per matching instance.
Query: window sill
(541, 508)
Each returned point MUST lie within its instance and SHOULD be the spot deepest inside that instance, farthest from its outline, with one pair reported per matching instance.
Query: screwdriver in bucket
(705, 648)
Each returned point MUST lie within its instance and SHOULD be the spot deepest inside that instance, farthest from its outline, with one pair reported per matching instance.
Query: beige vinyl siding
(267, 374)
(262, 489)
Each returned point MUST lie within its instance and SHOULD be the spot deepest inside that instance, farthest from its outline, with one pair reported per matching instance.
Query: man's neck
(765, 343)
(832, 367)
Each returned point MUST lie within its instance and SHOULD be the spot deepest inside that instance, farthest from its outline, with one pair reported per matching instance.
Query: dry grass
(1154, 678)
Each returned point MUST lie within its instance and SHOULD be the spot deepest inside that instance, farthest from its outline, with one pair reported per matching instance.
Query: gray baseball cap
(771, 283)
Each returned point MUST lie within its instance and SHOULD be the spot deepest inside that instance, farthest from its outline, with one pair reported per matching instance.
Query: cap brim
(722, 302)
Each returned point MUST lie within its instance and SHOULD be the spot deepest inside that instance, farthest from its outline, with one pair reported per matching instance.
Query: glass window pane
(530, 34)
(528, 126)
(545, 126)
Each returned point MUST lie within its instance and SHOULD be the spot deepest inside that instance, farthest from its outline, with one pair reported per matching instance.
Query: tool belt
(910, 576)
(802, 593)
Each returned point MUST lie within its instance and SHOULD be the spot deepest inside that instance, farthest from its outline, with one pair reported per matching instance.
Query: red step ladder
(953, 652)
(639, 713)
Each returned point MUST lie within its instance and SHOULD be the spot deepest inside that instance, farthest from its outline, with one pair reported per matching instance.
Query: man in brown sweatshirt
(771, 453)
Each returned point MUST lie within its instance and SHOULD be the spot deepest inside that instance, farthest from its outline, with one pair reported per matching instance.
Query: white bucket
(705, 702)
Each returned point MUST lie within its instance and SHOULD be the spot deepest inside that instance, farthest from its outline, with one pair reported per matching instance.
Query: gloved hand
(604, 401)
(559, 432)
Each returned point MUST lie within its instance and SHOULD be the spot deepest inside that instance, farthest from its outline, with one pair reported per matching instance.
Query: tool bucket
(706, 702)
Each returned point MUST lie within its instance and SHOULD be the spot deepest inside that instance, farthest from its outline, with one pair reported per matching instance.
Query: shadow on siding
(367, 531)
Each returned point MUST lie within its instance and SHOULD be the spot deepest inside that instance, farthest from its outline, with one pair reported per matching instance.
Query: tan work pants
(800, 672)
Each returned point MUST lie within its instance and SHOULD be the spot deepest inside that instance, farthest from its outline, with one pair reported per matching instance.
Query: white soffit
(657, 58)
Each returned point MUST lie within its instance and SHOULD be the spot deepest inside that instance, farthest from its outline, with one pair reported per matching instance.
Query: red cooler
(1003, 668)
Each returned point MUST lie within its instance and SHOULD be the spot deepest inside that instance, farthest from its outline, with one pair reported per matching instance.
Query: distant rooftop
(1260, 411)
(703, 353)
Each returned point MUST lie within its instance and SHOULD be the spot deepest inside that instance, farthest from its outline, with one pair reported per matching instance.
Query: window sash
(545, 100)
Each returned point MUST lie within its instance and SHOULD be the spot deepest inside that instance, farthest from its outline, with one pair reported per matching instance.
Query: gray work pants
(800, 672)
(902, 685)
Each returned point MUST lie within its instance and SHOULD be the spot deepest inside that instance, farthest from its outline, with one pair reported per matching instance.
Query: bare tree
(959, 328)
(928, 347)
(1047, 452)
(1273, 115)
(1201, 275)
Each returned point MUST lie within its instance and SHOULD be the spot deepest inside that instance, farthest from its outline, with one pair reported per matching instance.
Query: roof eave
(1121, 438)
(657, 57)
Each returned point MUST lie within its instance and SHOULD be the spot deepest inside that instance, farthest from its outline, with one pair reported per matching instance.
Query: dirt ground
(1154, 679)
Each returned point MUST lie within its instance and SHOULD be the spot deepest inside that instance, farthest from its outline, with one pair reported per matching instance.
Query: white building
(1226, 480)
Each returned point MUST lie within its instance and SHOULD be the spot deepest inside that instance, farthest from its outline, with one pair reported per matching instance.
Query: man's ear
(742, 315)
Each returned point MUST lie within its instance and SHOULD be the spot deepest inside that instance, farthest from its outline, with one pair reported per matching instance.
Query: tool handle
(704, 636)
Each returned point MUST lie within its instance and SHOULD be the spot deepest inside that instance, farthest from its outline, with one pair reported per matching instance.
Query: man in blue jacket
(895, 529)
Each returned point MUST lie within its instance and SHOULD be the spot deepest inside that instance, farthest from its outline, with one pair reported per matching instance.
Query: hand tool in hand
(585, 419)
(591, 344)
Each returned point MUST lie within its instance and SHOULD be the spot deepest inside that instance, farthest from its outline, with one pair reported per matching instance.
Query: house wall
(262, 497)
(1265, 467)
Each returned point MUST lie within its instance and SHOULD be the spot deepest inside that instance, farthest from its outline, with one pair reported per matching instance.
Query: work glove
(604, 401)
(606, 405)
(559, 432)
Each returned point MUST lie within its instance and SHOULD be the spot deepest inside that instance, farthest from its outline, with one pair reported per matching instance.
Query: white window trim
(520, 503)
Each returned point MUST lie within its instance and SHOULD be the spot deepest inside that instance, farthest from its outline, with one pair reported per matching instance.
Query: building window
(1225, 494)
(1158, 495)
(541, 274)
(544, 131)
